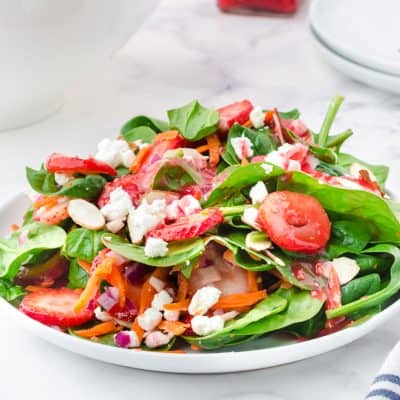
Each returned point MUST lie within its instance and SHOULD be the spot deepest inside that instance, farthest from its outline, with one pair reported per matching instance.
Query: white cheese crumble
(203, 300)
(187, 205)
(161, 299)
(119, 205)
(268, 168)
(115, 152)
(258, 193)
(149, 319)
(293, 165)
(157, 339)
(203, 325)
(257, 117)
(346, 269)
(155, 247)
(62, 179)
(243, 147)
(171, 315)
(140, 144)
(145, 218)
(249, 217)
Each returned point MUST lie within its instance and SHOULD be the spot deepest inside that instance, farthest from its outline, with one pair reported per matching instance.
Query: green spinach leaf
(194, 121)
(77, 276)
(143, 128)
(83, 244)
(9, 291)
(291, 114)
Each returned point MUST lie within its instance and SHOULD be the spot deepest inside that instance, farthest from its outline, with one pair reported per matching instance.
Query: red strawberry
(189, 227)
(236, 112)
(127, 183)
(55, 307)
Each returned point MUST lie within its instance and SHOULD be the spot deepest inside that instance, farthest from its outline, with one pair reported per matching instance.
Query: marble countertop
(189, 49)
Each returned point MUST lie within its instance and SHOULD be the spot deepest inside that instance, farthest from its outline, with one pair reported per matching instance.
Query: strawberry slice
(55, 307)
(127, 183)
(236, 112)
(190, 226)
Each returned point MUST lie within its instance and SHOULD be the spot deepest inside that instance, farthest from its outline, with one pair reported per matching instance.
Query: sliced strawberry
(127, 183)
(236, 112)
(55, 307)
(189, 227)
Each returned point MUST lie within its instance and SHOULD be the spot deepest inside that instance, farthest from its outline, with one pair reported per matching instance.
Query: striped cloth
(386, 385)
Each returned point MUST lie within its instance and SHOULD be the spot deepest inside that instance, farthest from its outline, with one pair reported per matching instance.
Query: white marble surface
(186, 50)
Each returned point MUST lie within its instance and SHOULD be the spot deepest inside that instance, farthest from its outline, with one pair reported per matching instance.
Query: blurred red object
(283, 6)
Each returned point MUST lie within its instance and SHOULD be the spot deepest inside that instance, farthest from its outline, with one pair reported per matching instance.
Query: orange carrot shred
(116, 279)
(180, 306)
(202, 149)
(99, 330)
(141, 158)
(146, 296)
(183, 287)
(194, 347)
(84, 264)
(214, 145)
(228, 256)
(178, 351)
(252, 281)
(178, 328)
(233, 301)
(15, 227)
(33, 288)
(244, 162)
(90, 291)
(167, 135)
(248, 124)
(269, 115)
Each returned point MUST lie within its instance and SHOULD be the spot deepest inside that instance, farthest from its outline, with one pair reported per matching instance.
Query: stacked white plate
(360, 38)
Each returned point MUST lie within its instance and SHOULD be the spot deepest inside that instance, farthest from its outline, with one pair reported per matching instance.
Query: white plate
(356, 71)
(248, 357)
(365, 31)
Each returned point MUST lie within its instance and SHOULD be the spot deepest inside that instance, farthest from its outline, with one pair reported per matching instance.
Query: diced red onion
(109, 298)
(122, 339)
(135, 273)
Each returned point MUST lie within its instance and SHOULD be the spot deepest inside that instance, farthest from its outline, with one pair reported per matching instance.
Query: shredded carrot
(90, 291)
(228, 256)
(116, 279)
(180, 306)
(161, 273)
(47, 284)
(15, 227)
(178, 351)
(285, 285)
(194, 347)
(84, 264)
(214, 146)
(138, 330)
(233, 301)
(46, 201)
(167, 135)
(252, 281)
(269, 115)
(99, 330)
(183, 287)
(146, 296)
(244, 162)
(202, 149)
(141, 158)
(248, 124)
(178, 328)
(33, 288)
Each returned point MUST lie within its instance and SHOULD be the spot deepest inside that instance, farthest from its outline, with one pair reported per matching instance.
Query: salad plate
(223, 240)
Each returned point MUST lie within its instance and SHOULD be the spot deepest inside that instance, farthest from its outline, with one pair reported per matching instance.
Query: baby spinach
(380, 296)
(301, 307)
(88, 187)
(77, 276)
(178, 252)
(381, 172)
(330, 169)
(309, 328)
(239, 178)
(25, 244)
(360, 287)
(83, 244)
(291, 114)
(354, 205)
(348, 237)
(194, 121)
(9, 291)
(329, 118)
(143, 128)
(371, 263)
(261, 139)
(174, 175)
(271, 305)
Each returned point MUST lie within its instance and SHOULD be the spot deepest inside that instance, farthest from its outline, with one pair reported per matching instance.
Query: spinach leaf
(241, 177)
(371, 263)
(360, 287)
(331, 169)
(262, 141)
(382, 295)
(335, 142)
(381, 172)
(328, 121)
(301, 307)
(77, 276)
(291, 114)
(9, 291)
(178, 252)
(194, 121)
(309, 328)
(143, 128)
(43, 182)
(349, 204)
(348, 237)
(174, 175)
(122, 171)
(25, 244)
(271, 305)
(83, 244)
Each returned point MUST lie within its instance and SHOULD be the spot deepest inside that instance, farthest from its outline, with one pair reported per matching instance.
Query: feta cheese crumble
(155, 247)
(119, 205)
(171, 315)
(268, 168)
(243, 147)
(203, 325)
(346, 269)
(203, 300)
(161, 299)
(257, 117)
(258, 193)
(149, 319)
(157, 339)
(249, 217)
(145, 218)
(115, 152)
(187, 205)
(62, 179)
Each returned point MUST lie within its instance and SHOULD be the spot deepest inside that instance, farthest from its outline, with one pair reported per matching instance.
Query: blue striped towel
(386, 385)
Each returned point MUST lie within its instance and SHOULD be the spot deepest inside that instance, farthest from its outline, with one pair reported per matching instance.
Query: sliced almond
(346, 269)
(86, 214)
(257, 241)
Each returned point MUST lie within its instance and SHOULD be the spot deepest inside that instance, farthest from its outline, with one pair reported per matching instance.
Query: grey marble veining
(188, 49)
